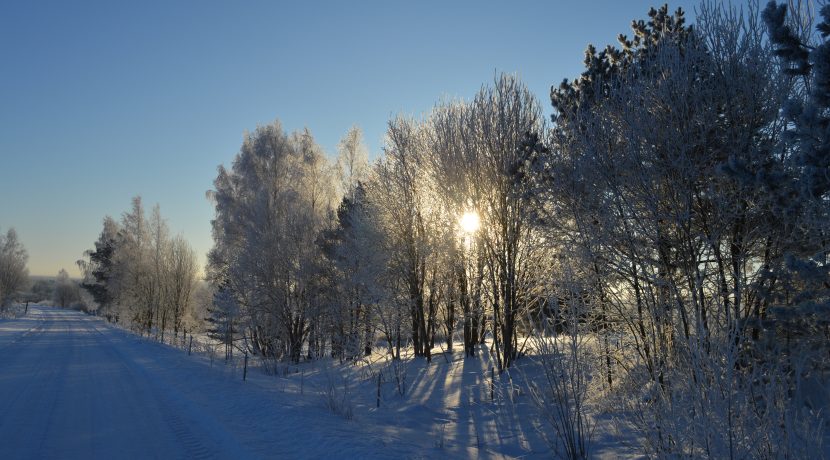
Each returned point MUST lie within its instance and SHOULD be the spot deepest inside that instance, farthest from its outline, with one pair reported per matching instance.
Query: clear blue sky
(101, 101)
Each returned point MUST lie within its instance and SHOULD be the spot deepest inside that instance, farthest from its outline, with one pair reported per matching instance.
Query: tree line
(674, 209)
(141, 276)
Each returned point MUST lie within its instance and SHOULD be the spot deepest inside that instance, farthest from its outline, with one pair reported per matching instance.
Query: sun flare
(470, 222)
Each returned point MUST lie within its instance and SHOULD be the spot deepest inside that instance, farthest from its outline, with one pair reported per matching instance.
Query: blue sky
(102, 101)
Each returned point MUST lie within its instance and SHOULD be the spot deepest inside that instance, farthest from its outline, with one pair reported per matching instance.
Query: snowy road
(73, 387)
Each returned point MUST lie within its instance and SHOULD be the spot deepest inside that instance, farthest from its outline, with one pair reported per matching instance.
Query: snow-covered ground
(72, 386)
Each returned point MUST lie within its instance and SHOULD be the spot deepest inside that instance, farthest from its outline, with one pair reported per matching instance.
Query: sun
(470, 222)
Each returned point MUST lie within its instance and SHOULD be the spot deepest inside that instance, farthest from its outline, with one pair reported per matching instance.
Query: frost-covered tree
(181, 280)
(601, 67)
(270, 208)
(462, 160)
(503, 116)
(401, 194)
(99, 270)
(138, 273)
(42, 290)
(352, 161)
(136, 285)
(224, 320)
(665, 178)
(454, 162)
(66, 291)
(155, 286)
(356, 252)
(804, 276)
(14, 276)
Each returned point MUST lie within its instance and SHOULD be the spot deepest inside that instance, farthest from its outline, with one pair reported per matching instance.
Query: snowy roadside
(76, 381)
(269, 415)
(19, 325)
(453, 407)
(445, 409)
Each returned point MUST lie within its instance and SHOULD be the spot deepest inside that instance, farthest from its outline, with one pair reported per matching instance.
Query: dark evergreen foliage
(602, 67)
(100, 270)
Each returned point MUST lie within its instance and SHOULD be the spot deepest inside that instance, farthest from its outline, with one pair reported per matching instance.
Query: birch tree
(270, 209)
(352, 161)
(401, 195)
(503, 116)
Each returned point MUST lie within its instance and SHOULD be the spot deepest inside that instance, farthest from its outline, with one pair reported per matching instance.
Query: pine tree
(804, 296)
(99, 269)
(601, 68)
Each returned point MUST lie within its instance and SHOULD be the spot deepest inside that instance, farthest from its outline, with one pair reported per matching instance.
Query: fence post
(190, 346)
(245, 368)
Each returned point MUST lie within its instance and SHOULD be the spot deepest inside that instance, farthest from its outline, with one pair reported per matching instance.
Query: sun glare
(470, 222)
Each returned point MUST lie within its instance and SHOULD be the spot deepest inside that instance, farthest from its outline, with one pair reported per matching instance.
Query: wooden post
(245, 368)
(379, 376)
(190, 346)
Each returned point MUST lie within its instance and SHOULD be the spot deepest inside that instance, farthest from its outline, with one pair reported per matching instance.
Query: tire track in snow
(196, 434)
(16, 357)
(37, 328)
(59, 378)
(37, 402)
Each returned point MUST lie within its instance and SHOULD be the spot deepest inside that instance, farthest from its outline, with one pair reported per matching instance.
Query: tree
(462, 160)
(14, 276)
(805, 273)
(140, 273)
(356, 252)
(42, 290)
(99, 270)
(66, 291)
(136, 284)
(352, 161)
(181, 281)
(157, 284)
(401, 192)
(453, 162)
(503, 116)
(668, 181)
(224, 320)
(270, 208)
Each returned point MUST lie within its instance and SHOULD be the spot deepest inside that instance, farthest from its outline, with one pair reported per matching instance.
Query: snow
(72, 386)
